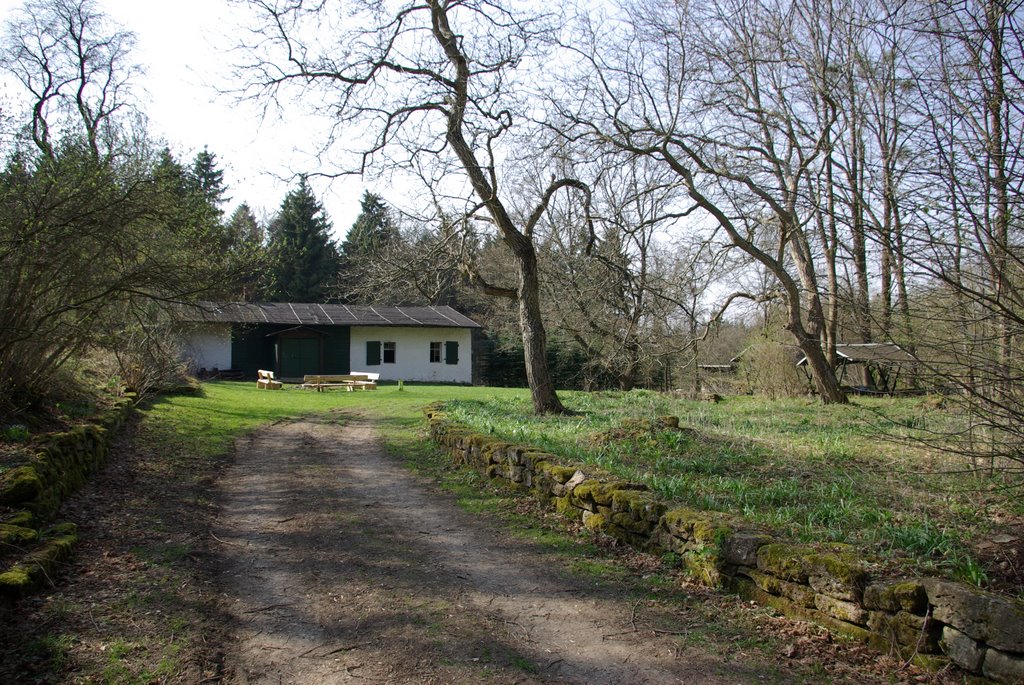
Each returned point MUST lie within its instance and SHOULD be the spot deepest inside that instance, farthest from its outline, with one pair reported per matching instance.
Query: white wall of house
(207, 346)
(412, 353)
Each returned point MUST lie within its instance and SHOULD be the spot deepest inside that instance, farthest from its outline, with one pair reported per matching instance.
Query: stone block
(1006, 625)
(962, 650)
(907, 630)
(595, 522)
(1003, 668)
(21, 484)
(801, 595)
(983, 616)
(15, 536)
(783, 561)
(897, 595)
(851, 612)
(628, 523)
(740, 549)
(837, 572)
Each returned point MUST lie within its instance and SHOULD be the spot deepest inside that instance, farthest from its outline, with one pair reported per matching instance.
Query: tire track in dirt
(338, 565)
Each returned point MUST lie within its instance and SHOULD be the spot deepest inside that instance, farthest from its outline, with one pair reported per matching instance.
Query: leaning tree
(434, 86)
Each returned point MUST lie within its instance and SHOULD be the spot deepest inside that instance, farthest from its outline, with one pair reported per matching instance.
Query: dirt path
(340, 566)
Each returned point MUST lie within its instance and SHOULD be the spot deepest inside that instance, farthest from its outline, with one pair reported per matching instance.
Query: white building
(433, 344)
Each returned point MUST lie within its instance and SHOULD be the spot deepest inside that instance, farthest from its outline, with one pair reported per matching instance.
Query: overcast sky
(183, 46)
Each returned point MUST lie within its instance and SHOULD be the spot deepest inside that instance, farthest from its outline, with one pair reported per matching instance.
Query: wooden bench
(350, 382)
(369, 381)
(265, 379)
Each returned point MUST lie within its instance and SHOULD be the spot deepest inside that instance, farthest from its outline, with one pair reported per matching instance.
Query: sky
(183, 46)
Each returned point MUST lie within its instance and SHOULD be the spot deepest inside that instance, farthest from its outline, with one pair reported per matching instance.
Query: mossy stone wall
(31, 548)
(928, 620)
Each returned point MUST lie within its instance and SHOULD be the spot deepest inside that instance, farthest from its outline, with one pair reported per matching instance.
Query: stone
(896, 595)
(740, 549)
(800, 594)
(783, 561)
(20, 485)
(595, 522)
(577, 478)
(850, 612)
(907, 630)
(837, 573)
(1006, 625)
(1003, 668)
(631, 525)
(983, 616)
(962, 650)
(14, 536)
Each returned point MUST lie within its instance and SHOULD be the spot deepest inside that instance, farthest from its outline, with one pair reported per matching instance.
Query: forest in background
(619, 194)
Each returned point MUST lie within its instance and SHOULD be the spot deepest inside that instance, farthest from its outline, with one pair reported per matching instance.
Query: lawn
(816, 473)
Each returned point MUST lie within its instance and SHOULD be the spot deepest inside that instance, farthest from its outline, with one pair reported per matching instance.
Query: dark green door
(299, 357)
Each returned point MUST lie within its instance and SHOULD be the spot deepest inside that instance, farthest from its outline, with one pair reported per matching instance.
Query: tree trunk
(824, 377)
(542, 390)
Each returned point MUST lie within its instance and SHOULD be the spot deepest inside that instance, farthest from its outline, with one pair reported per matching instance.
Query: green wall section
(252, 348)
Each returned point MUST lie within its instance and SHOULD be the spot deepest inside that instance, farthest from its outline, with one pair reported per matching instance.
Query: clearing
(312, 554)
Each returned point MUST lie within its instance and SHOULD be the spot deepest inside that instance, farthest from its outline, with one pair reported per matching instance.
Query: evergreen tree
(243, 229)
(207, 179)
(304, 259)
(373, 232)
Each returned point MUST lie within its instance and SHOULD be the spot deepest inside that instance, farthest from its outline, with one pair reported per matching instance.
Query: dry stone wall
(928, 620)
(31, 546)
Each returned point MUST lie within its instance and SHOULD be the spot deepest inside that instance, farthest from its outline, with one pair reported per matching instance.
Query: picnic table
(349, 381)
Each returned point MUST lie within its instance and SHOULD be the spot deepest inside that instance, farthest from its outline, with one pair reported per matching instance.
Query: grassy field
(840, 473)
(845, 474)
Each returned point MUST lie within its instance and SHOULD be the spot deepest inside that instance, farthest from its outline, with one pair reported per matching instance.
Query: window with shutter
(373, 353)
(451, 352)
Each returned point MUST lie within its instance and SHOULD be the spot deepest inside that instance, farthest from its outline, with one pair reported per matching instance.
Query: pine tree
(207, 179)
(304, 259)
(243, 228)
(372, 231)
(371, 234)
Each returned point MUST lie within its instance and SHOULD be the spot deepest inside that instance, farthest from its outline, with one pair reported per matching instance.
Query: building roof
(860, 353)
(314, 314)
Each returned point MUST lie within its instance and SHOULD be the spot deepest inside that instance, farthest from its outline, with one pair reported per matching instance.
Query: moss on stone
(20, 518)
(20, 485)
(564, 507)
(16, 535)
(783, 560)
(905, 595)
(561, 474)
(710, 532)
(704, 567)
(679, 522)
(595, 522)
(639, 527)
(15, 581)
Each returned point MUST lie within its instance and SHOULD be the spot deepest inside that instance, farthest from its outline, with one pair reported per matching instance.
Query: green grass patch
(836, 473)
(814, 472)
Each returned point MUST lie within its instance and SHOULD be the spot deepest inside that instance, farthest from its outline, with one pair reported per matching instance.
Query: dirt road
(341, 566)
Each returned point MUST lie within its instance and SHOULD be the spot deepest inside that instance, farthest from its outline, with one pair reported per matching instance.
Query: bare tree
(618, 289)
(76, 67)
(719, 94)
(431, 86)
